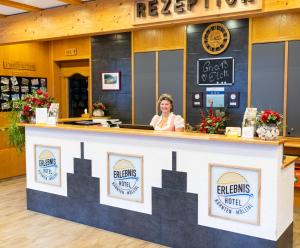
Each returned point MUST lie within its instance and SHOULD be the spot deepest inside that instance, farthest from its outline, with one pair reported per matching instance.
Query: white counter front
(196, 177)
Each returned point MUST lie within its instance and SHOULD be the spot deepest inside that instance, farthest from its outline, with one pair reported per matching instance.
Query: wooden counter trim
(292, 142)
(162, 134)
(288, 160)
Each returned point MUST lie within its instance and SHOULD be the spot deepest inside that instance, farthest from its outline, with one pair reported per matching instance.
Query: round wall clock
(215, 38)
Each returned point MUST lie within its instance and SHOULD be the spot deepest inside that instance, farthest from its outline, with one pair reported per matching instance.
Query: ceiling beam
(19, 5)
(72, 2)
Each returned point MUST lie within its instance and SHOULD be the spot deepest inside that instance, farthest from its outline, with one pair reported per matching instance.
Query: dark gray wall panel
(113, 53)
(144, 87)
(170, 76)
(293, 110)
(238, 48)
(267, 76)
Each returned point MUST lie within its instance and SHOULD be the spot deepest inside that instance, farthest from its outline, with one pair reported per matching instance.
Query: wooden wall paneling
(249, 64)
(12, 163)
(93, 17)
(168, 38)
(132, 78)
(64, 66)
(36, 53)
(82, 45)
(156, 82)
(4, 119)
(90, 80)
(4, 141)
(68, 69)
(102, 17)
(184, 74)
(277, 5)
(285, 85)
(277, 27)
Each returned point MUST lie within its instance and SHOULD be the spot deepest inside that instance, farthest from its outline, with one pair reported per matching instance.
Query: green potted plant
(23, 111)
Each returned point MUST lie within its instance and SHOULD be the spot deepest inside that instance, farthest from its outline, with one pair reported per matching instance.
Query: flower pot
(268, 132)
(98, 112)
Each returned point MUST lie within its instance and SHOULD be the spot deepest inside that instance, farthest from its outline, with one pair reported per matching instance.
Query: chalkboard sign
(215, 71)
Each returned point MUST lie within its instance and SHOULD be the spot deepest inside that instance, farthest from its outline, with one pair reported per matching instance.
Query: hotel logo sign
(47, 165)
(151, 11)
(235, 193)
(125, 177)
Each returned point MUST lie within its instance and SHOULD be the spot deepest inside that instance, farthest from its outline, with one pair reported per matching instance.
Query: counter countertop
(151, 133)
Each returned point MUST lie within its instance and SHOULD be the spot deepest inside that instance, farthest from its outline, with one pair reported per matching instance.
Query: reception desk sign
(48, 165)
(235, 193)
(125, 177)
(152, 11)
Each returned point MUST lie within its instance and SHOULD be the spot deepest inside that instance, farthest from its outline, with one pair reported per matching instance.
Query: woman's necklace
(163, 121)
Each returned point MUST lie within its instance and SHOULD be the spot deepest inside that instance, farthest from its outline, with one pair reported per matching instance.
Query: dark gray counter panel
(267, 76)
(144, 87)
(170, 77)
(293, 110)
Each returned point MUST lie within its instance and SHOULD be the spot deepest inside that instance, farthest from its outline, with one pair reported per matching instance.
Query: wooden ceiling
(13, 7)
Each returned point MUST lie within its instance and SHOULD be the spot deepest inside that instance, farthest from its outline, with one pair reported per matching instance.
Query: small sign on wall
(198, 99)
(125, 177)
(215, 97)
(48, 165)
(235, 193)
(71, 52)
(233, 99)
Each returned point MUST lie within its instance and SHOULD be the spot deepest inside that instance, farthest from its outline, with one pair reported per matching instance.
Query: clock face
(215, 38)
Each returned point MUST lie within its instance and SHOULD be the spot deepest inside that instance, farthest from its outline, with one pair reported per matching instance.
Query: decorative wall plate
(215, 38)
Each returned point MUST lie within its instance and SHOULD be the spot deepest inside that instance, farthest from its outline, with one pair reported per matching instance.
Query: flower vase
(268, 132)
(98, 112)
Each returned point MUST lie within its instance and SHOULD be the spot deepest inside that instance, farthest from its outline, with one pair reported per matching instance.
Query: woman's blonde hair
(167, 97)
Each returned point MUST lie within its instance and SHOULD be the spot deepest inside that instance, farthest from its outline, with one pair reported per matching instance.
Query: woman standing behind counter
(167, 121)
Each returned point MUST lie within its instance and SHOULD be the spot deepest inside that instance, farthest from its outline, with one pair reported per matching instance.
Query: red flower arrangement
(26, 106)
(269, 117)
(213, 122)
(99, 105)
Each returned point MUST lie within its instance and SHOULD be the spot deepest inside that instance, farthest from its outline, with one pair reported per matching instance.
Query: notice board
(13, 88)
(215, 71)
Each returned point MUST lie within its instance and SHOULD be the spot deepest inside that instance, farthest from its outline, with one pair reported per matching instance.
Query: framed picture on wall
(111, 80)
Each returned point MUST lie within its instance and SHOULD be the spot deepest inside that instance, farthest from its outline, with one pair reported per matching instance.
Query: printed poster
(125, 177)
(235, 193)
(48, 165)
(215, 97)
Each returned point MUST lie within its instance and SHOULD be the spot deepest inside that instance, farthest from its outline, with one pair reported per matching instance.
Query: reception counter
(175, 189)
